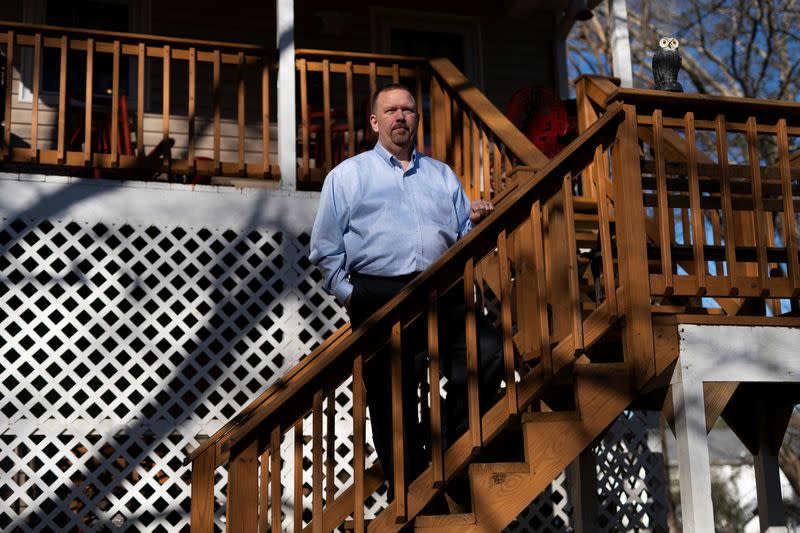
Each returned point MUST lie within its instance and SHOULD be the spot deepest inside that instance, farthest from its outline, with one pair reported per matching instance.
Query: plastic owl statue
(666, 64)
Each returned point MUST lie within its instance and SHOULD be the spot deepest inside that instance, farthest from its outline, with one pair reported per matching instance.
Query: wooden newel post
(242, 505)
(202, 513)
(637, 336)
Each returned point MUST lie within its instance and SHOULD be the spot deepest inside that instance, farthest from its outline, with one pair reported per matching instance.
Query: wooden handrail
(137, 37)
(496, 121)
(329, 366)
(338, 54)
(705, 106)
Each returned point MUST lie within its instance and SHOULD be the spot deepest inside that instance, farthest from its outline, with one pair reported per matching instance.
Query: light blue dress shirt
(375, 218)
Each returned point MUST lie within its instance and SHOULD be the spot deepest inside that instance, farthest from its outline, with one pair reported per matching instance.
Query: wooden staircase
(500, 491)
(584, 344)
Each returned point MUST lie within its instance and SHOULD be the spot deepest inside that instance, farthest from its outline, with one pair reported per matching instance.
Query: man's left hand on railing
(479, 209)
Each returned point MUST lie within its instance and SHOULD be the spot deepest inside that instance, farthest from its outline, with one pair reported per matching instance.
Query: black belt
(405, 278)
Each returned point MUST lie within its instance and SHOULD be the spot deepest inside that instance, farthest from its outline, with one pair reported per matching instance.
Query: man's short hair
(387, 88)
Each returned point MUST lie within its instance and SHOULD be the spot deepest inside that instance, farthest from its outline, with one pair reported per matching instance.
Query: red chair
(101, 128)
(541, 115)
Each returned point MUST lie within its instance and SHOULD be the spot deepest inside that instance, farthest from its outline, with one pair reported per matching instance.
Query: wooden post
(242, 506)
(9, 89)
(62, 102)
(583, 491)
(770, 430)
(637, 335)
(202, 517)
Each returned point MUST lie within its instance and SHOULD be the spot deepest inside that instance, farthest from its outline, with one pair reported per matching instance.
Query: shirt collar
(391, 160)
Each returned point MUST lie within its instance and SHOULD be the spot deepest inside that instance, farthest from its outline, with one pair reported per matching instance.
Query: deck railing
(720, 184)
(335, 90)
(458, 124)
(134, 106)
(156, 122)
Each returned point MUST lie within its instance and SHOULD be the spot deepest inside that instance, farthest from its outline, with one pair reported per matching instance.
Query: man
(385, 216)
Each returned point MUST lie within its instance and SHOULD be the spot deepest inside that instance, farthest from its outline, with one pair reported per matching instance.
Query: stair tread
(437, 521)
(496, 468)
(550, 416)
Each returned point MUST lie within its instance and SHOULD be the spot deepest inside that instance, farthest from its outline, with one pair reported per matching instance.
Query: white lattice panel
(124, 343)
(630, 475)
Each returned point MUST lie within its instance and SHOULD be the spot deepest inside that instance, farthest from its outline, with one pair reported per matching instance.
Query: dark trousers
(369, 294)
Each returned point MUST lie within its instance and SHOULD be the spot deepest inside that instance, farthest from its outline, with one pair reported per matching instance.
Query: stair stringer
(500, 491)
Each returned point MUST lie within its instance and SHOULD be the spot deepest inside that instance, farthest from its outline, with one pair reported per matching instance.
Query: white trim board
(739, 353)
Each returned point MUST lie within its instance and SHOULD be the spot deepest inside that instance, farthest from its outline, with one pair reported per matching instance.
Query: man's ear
(373, 121)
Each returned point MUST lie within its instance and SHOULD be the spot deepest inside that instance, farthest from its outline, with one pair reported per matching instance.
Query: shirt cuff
(343, 291)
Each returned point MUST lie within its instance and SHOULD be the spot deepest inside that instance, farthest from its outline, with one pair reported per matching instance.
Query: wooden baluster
(398, 446)
(440, 140)
(87, 114)
(202, 493)
(774, 303)
(330, 447)
(298, 476)
(62, 102)
(506, 163)
(275, 480)
(326, 114)
(727, 204)
(487, 181)
(447, 110)
(716, 235)
(497, 178)
(663, 204)
(302, 67)
(114, 123)
(140, 101)
(465, 151)
(433, 91)
(217, 103)
(607, 257)
(685, 224)
(10, 38)
(758, 206)
(507, 328)
(373, 79)
(242, 506)
(165, 108)
(263, 492)
(265, 137)
(574, 281)
(191, 107)
(37, 61)
(351, 122)
(457, 142)
(437, 452)
(316, 465)
(475, 192)
(359, 428)
(789, 220)
(240, 114)
(470, 323)
(395, 73)
(698, 222)
(421, 126)
(540, 275)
